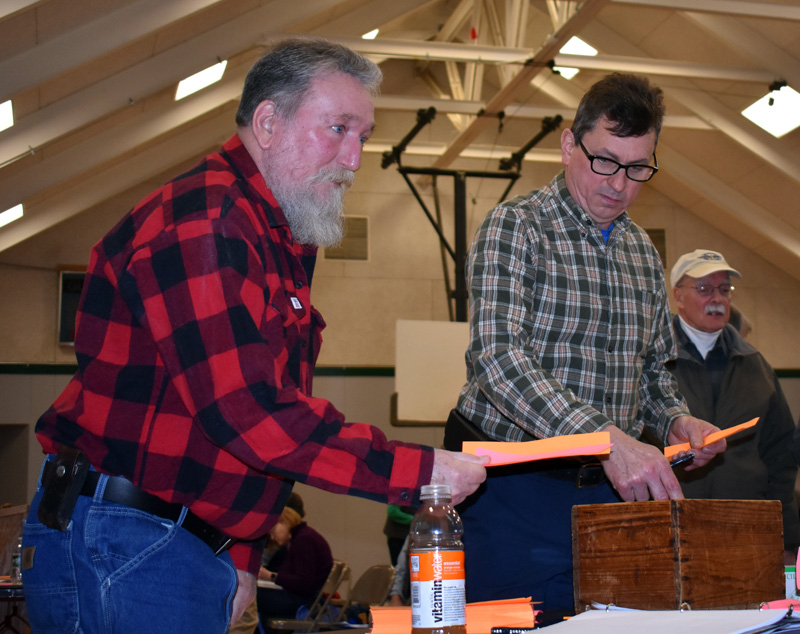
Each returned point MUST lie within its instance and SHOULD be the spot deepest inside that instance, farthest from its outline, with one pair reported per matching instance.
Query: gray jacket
(758, 463)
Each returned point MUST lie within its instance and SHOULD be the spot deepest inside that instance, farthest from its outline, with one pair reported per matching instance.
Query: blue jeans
(119, 570)
(518, 535)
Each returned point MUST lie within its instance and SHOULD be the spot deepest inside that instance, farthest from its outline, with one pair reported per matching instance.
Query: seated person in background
(301, 574)
(398, 595)
(726, 381)
(272, 557)
(274, 553)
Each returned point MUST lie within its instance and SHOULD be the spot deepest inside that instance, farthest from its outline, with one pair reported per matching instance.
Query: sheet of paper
(711, 438)
(594, 444)
(271, 585)
(481, 617)
(667, 622)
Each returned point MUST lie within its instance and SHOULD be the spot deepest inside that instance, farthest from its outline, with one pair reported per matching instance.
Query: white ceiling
(92, 82)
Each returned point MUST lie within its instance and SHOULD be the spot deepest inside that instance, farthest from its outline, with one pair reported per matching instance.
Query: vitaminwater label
(437, 588)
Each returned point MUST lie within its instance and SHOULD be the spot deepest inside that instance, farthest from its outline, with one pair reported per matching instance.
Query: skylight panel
(200, 80)
(10, 215)
(6, 115)
(777, 112)
(574, 46)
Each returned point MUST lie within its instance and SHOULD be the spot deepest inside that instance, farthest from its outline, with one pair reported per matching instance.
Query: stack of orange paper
(481, 617)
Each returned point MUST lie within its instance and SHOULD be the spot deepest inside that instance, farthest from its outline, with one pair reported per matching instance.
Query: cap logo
(709, 256)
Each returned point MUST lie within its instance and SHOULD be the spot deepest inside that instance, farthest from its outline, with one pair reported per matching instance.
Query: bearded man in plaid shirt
(174, 448)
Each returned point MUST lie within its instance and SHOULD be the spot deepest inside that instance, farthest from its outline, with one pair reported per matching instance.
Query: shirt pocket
(636, 308)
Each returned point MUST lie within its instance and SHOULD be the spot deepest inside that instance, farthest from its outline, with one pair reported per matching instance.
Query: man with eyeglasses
(727, 381)
(570, 330)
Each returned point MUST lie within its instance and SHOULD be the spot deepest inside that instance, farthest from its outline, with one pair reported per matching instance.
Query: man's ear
(263, 123)
(567, 145)
(676, 293)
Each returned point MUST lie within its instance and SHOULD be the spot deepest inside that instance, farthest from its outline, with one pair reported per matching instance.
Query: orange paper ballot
(711, 438)
(594, 444)
(481, 617)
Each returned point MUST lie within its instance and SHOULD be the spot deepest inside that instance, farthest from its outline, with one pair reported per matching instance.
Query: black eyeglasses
(706, 290)
(606, 167)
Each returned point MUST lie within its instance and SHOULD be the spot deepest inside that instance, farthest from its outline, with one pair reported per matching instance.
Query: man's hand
(694, 431)
(245, 593)
(639, 471)
(464, 472)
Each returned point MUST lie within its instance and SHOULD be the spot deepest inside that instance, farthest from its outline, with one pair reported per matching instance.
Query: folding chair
(371, 588)
(320, 610)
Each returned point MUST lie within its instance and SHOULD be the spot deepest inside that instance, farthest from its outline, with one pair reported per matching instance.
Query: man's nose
(350, 156)
(618, 180)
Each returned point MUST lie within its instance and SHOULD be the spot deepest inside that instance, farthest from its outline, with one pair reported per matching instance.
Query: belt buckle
(590, 475)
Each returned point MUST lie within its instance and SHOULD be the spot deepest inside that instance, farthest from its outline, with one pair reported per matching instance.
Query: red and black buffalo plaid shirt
(196, 342)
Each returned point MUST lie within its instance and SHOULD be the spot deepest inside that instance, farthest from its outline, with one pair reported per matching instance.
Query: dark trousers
(518, 536)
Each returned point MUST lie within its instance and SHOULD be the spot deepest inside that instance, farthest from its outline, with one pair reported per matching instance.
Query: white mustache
(715, 309)
(340, 176)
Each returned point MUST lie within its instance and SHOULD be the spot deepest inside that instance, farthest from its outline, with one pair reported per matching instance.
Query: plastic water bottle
(436, 564)
(16, 561)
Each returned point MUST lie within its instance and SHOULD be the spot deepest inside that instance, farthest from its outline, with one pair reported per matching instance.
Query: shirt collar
(578, 214)
(703, 341)
(241, 161)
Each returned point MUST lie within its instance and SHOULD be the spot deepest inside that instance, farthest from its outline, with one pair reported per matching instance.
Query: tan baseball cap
(699, 263)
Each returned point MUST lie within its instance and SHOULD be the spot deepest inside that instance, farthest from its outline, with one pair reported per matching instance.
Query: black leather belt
(589, 474)
(122, 491)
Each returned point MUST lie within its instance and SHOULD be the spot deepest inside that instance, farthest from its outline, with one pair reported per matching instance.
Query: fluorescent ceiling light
(574, 46)
(371, 35)
(6, 115)
(200, 80)
(777, 112)
(10, 215)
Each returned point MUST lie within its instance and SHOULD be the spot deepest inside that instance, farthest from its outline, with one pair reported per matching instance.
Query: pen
(681, 460)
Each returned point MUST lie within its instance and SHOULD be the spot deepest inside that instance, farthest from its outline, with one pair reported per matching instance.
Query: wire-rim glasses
(607, 167)
(706, 290)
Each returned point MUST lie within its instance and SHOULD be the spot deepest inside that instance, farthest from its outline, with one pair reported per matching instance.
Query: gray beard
(314, 219)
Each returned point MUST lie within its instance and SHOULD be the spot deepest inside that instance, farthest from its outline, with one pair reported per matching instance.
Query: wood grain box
(661, 555)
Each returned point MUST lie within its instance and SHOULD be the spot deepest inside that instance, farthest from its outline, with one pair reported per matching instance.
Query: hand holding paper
(710, 439)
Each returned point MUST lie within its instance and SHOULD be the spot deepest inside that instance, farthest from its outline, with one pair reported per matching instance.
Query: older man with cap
(726, 381)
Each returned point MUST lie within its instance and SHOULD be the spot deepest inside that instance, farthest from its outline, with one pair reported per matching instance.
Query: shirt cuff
(411, 469)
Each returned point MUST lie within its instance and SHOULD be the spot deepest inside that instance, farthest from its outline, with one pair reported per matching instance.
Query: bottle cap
(429, 491)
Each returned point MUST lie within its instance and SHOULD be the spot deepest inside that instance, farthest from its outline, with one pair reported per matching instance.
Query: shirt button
(611, 348)
(404, 495)
(298, 285)
(608, 400)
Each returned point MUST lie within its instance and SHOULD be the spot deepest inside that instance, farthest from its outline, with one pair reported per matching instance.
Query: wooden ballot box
(665, 555)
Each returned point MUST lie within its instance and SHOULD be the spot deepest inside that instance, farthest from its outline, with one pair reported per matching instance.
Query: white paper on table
(271, 585)
(667, 622)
